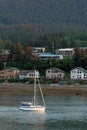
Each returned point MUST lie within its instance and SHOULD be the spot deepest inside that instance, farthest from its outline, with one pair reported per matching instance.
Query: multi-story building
(36, 50)
(4, 55)
(28, 74)
(83, 50)
(66, 52)
(78, 73)
(54, 73)
(9, 73)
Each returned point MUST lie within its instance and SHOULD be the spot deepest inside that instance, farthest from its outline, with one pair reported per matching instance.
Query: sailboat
(34, 106)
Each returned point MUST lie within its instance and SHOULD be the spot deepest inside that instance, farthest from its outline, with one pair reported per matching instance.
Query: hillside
(44, 14)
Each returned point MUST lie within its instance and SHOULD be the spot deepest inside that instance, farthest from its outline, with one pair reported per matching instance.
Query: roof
(38, 47)
(66, 49)
(55, 69)
(13, 68)
(48, 54)
(80, 68)
(24, 72)
(27, 71)
(83, 47)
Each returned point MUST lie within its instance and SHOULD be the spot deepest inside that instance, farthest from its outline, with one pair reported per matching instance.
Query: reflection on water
(13, 118)
(62, 113)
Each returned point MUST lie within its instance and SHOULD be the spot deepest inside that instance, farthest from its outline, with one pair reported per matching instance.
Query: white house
(54, 73)
(78, 73)
(28, 74)
(36, 50)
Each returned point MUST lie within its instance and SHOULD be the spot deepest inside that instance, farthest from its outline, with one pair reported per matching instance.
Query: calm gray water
(62, 113)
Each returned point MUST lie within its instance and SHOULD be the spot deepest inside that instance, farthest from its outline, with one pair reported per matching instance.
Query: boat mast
(35, 88)
(41, 93)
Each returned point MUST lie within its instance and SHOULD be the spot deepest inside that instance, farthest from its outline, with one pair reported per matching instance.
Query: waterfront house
(9, 73)
(78, 73)
(54, 73)
(23, 74)
(28, 74)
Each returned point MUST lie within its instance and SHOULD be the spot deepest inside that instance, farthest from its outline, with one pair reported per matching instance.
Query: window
(60, 75)
(52, 71)
(79, 76)
(79, 71)
(56, 71)
(47, 77)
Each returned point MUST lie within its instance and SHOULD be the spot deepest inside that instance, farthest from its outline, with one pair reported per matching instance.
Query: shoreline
(53, 89)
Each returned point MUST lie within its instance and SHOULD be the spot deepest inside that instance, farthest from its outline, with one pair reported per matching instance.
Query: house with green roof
(54, 73)
(9, 73)
(78, 73)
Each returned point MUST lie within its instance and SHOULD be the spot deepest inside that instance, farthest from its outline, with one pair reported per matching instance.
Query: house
(28, 74)
(23, 74)
(9, 73)
(83, 50)
(78, 73)
(36, 50)
(46, 56)
(4, 55)
(65, 52)
(54, 73)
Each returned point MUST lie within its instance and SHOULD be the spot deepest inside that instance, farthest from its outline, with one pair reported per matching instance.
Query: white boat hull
(33, 108)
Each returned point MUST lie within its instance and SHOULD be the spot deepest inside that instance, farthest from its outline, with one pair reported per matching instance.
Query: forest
(21, 53)
(42, 16)
(42, 23)
(60, 40)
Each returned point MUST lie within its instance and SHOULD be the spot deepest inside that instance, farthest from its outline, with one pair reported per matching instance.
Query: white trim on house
(65, 52)
(78, 73)
(36, 50)
(28, 74)
(54, 73)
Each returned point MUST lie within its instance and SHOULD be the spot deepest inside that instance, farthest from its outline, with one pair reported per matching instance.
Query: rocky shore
(53, 89)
